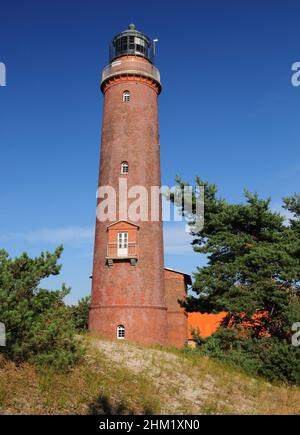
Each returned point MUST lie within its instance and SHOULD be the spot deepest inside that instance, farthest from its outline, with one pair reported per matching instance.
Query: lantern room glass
(131, 42)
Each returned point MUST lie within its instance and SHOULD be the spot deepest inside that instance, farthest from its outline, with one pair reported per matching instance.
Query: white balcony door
(122, 244)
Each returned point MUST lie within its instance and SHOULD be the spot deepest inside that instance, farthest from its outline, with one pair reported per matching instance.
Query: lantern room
(131, 42)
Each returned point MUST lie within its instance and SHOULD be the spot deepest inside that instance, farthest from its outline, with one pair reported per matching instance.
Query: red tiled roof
(207, 323)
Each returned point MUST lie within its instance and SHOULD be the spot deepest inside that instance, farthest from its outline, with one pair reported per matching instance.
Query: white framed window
(124, 168)
(122, 244)
(126, 97)
(121, 332)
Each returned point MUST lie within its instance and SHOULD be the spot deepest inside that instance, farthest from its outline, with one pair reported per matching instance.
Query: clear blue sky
(228, 112)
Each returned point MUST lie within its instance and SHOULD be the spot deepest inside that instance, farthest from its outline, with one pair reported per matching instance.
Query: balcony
(115, 252)
(130, 66)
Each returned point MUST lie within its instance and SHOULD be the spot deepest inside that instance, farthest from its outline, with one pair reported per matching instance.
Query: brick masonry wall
(175, 286)
(124, 294)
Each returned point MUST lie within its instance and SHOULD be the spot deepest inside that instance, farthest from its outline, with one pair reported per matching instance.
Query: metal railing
(113, 250)
(131, 66)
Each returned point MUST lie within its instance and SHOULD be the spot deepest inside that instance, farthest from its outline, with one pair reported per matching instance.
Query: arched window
(126, 97)
(124, 168)
(120, 332)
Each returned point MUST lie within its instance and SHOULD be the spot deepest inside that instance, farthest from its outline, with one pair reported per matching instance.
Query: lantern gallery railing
(130, 66)
(115, 250)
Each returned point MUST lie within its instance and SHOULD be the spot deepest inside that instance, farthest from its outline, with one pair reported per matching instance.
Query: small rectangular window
(126, 96)
(120, 332)
(124, 168)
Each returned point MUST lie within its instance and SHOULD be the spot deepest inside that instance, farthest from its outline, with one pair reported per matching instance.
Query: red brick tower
(128, 294)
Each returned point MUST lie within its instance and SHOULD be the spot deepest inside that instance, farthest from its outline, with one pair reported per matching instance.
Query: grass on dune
(122, 378)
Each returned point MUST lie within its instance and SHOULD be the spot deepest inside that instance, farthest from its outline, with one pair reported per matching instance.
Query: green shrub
(276, 360)
(80, 314)
(39, 327)
(280, 362)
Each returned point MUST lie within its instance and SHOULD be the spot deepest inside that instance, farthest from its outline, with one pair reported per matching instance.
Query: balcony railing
(114, 251)
(130, 66)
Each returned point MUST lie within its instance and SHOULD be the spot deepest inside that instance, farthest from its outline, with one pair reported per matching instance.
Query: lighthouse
(128, 281)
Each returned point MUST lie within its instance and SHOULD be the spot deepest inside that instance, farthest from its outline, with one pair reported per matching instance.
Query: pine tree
(38, 325)
(253, 267)
(80, 313)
